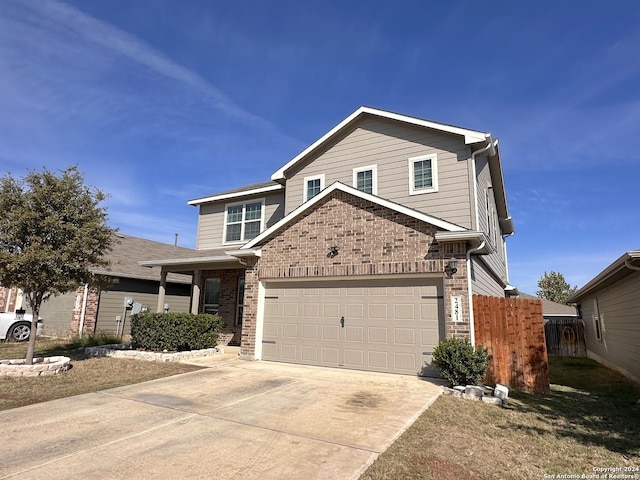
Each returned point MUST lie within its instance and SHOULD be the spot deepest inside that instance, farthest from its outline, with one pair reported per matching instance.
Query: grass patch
(86, 374)
(590, 419)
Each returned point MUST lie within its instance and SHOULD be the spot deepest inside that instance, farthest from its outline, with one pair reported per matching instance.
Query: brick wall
(91, 311)
(228, 299)
(372, 240)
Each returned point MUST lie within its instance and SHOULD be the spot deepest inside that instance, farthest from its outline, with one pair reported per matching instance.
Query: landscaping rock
(501, 391)
(42, 366)
(472, 390)
(492, 399)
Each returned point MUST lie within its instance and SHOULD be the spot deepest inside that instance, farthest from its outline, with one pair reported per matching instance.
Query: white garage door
(377, 325)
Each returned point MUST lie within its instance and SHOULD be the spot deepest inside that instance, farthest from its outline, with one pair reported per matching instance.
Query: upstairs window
(243, 221)
(423, 174)
(312, 187)
(365, 179)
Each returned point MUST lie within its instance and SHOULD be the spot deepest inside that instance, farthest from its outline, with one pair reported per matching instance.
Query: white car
(17, 327)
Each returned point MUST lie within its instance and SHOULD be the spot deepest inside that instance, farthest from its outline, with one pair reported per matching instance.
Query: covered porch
(217, 285)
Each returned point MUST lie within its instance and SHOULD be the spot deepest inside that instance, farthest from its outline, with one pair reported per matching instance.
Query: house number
(456, 308)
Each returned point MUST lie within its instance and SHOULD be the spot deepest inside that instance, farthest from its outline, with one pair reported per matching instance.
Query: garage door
(377, 325)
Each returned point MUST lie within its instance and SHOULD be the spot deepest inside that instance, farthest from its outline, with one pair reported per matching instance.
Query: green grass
(590, 419)
(86, 374)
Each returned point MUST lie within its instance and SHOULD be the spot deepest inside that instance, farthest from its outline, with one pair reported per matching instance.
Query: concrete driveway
(236, 420)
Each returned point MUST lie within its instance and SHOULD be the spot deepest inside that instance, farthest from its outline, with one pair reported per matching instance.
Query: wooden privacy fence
(512, 330)
(565, 337)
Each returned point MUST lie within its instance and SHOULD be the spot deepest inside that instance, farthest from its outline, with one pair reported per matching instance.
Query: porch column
(162, 290)
(195, 291)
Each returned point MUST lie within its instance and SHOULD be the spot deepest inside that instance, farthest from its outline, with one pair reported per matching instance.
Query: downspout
(84, 309)
(472, 333)
(504, 252)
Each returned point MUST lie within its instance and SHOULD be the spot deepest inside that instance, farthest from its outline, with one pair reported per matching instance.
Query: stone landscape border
(42, 366)
(125, 351)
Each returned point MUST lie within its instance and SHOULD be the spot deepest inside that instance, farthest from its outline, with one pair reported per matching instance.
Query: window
(243, 221)
(240, 302)
(312, 187)
(423, 174)
(365, 179)
(597, 320)
(211, 295)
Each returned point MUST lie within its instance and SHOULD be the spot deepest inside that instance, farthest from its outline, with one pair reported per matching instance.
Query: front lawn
(86, 374)
(589, 420)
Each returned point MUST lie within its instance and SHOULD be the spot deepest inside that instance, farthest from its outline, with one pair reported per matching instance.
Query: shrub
(459, 362)
(174, 331)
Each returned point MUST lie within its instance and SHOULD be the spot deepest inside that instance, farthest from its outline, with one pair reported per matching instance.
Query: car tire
(19, 332)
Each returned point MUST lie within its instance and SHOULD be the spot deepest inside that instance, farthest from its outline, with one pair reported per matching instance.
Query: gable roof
(337, 186)
(470, 136)
(128, 251)
(256, 188)
(553, 309)
(620, 268)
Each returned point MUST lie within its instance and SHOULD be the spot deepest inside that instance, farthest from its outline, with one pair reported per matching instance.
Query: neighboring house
(610, 307)
(93, 310)
(553, 310)
(344, 258)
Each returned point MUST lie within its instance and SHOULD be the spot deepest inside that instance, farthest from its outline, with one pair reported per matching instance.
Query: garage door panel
(354, 334)
(331, 310)
(354, 358)
(378, 335)
(310, 332)
(404, 336)
(289, 352)
(330, 356)
(289, 330)
(389, 324)
(331, 332)
(377, 311)
(404, 312)
(378, 361)
(354, 311)
(309, 354)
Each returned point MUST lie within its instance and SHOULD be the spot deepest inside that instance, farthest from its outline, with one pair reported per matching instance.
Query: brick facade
(372, 240)
(228, 302)
(8, 298)
(90, 314)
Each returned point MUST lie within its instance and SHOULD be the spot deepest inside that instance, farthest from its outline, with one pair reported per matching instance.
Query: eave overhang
(470, 136)
(614, 272)
(473, 238)
(337, 186)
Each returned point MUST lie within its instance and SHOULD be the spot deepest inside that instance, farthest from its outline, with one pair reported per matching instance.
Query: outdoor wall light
(333, 251)
(451, 267)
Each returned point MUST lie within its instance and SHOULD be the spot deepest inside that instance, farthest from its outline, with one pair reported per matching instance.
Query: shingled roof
(553, 309)
(128, 251)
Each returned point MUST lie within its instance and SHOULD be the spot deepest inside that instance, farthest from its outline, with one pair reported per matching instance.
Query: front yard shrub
(459, 362)
(174, 331)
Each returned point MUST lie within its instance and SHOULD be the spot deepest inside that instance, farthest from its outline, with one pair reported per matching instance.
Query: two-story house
(362, 252)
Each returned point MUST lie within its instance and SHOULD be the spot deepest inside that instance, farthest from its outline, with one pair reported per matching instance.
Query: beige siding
(619, 310)
(143, 292)
(211, 218)
(57, 313)
(488, 221)
(389, 145)
(482, 281)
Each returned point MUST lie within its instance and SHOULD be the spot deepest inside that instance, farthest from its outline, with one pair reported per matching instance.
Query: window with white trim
(312, 187)
(423, 174)
(365, 179)
(243, 221)
(597, 320)
(240, 302)
(211, 295)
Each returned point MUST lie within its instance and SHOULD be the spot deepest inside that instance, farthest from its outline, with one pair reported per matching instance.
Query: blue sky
(159, 102)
